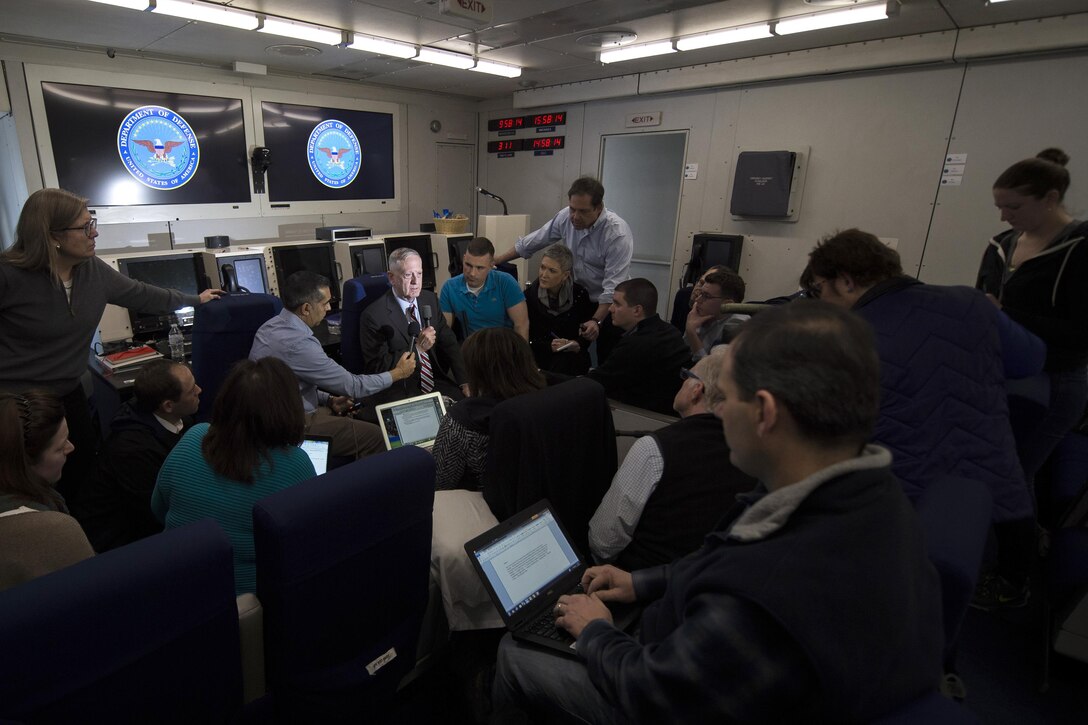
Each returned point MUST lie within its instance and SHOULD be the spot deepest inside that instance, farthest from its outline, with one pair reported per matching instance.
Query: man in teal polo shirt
(484, 297)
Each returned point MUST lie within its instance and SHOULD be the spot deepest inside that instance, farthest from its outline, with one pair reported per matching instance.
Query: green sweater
(188, 490)
(44, 341)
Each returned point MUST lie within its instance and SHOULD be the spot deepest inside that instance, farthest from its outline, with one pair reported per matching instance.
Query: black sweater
(1047, 294)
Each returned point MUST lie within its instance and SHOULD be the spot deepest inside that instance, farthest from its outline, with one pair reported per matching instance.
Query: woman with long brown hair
(248, 451)
(53, 291)
(499, 365)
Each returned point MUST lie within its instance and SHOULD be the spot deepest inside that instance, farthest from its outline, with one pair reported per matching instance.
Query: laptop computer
(412, 421)
(526, 563)
(317, 448)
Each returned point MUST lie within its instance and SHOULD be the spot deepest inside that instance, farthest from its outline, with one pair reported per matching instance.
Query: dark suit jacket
(383, 333)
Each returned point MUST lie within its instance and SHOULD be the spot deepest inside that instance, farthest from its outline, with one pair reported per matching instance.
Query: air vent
(608, 38)
(292, 50)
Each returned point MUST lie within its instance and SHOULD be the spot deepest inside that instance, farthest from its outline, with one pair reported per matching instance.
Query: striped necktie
(426, 375)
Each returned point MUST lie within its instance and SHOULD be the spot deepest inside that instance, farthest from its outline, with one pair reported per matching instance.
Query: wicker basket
(453, 225)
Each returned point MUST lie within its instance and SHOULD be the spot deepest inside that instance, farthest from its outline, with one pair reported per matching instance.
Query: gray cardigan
(44, 341)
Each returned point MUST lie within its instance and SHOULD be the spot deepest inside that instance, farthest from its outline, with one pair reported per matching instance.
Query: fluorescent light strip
(724, 37)
(207, 13)
(381, 46)
(833, 19)
(637, 51)
(302, 31)
(497, 69)
(446, 58)
(127, 4)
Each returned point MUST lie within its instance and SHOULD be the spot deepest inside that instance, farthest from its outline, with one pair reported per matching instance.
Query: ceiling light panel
(832, 19)
(207, 13)
(497, 69)
(637, 51)
(302, 31)
(381, 46)
(442, 57)
(725, 37)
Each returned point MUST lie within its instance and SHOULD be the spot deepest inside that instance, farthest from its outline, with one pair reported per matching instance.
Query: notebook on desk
(526, 563)
(412, 421)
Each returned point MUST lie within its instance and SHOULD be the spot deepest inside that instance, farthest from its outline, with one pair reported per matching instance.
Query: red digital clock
(557, 118)
(541, 143)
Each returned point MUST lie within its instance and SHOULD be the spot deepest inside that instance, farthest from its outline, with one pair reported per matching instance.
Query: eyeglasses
(686, 374)
(87, 228)
(700, 295)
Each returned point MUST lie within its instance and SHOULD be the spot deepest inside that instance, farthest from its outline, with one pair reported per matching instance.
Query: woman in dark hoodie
(1037, 272)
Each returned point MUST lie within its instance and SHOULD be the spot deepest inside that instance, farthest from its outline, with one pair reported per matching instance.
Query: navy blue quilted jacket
(945, 353)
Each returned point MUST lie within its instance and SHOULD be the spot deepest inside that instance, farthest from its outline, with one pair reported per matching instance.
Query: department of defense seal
(334, 153)
(158, 147)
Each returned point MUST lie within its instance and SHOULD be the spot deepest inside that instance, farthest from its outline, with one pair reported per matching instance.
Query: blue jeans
(539, 682)
(1068, 395)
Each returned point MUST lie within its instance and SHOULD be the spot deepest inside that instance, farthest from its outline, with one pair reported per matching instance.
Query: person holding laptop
(409, 315)
(813, 582)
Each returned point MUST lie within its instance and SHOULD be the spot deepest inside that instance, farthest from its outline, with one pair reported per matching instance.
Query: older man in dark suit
(405, 313)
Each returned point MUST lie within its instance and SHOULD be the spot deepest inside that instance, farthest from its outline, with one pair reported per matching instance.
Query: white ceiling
(542, 36)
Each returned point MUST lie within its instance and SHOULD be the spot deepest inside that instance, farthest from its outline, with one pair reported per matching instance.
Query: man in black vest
(674, 485)
(812, 600)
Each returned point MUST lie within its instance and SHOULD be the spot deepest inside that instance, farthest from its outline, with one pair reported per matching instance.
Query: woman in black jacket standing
(1037, 272)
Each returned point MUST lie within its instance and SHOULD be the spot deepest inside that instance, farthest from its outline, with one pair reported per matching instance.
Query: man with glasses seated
(674, 485)
(404, 314)
(706, 325)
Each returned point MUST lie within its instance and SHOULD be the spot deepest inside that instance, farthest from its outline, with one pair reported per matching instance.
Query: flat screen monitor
(247, 273)
(322, 153)
(146, 154)
(368, 260)
(317, 257)
(421, 243)
(183, 272)
(708, 250)
(456, 248)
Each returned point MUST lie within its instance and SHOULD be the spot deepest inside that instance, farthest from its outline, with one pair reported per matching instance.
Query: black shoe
(994, 592)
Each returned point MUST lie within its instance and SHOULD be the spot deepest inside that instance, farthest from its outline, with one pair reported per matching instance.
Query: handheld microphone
(496, 197)
(425, 311)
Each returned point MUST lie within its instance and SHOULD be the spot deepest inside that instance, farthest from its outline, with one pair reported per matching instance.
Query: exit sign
(472, 9)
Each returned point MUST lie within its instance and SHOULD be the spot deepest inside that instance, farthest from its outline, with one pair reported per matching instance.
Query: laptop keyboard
(544, 625)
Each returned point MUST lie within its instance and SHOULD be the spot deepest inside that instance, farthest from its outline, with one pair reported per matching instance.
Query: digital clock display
(526, 144)
(558, 118)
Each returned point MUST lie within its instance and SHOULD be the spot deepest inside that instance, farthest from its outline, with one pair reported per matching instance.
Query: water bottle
(177, 343)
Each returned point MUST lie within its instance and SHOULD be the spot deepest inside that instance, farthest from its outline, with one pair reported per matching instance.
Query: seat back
(223, 333)
(955, 516)
(681, 305)
(343, 563)
(557, 443)
(144, 633)
(351, 310)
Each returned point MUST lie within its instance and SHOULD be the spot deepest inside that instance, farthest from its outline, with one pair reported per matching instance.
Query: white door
(643, 174)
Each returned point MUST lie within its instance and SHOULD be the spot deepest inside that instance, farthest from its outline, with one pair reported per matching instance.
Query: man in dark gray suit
(407, 312)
